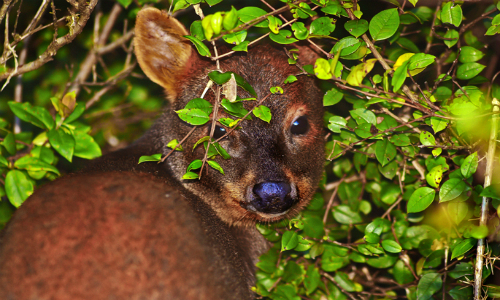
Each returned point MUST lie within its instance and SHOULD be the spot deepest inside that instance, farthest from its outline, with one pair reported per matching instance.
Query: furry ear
(161, 49)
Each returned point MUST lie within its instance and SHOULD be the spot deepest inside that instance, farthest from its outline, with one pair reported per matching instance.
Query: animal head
(274, 167)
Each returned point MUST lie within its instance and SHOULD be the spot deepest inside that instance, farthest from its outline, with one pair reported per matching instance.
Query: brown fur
(120, 230)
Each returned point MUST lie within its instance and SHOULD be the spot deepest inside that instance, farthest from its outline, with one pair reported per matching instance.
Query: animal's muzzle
(272, 197)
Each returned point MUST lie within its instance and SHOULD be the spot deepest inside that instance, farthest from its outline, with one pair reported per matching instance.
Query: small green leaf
(190, 175)
(230, 19)
(200, 103)
(463, 247)
(420, 60)
(385, 151)
(451, 189)
(300, 31)
(289, 240)
(451, 13)
(469, 166)
(85, 146)
(312, 279)
(322, 26)
(359, 72)
(197, 30)
(243, 46)
(322, 69)
(277, 90)
(62, 142)
(219, 78)
(290, 79)
(262, 112)
(17, 187)
(427, 139)
(283, 37)
(336, 123)
(235, 38)
(9, 142)
(35, 115)
(249, 13)
(435, 176)
(384, 24)
(438, 124)
(391, 246)
(202, 48)
(332, 97)
(399, 76)
(453, 35)
(31, 163)
(428, 285)
(173, 144)
(421, 199)
(470, 54)
(215, 165)
(194, 165)
(193, 116)
(154, 157)
(361, 115)
(469, 70)
(356, 27)
(457, 211)
(274, 24)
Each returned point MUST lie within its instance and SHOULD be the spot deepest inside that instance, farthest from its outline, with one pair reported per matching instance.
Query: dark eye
(300, 126)
(219, 132)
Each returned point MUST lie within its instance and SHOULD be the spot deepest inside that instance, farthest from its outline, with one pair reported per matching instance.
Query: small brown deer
(123, 230)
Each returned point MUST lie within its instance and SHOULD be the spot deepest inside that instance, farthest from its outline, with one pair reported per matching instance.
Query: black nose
(272, 197)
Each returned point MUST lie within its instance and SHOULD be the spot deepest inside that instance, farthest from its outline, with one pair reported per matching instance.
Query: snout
(272, 197)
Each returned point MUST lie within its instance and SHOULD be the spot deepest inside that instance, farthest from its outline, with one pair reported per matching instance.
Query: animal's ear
(161, 49)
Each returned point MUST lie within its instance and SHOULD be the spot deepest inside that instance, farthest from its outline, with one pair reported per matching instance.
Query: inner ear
(161, 49)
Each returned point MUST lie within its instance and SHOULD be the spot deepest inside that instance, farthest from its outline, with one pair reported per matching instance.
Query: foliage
(401, 208)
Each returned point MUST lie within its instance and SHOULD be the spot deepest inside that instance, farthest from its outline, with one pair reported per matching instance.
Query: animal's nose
(272, 197)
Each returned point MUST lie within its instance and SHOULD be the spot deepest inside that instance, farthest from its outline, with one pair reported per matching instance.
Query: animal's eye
(300, 126)
(219, 132)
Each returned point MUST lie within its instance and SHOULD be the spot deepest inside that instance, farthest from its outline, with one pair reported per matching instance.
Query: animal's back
(122, 234)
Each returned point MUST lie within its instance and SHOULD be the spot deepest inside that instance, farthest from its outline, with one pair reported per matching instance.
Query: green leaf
(248, 13)
(384, 24)
(470, 54)
(420, 60)
(125, 3)
(180, 4)
(190, 175)
(469, 70)
(154, 157)
(359, 72)
(463, 247)
(9, 142)
(290, 79)
(469, 166)
(322, 26)
(173, 144)
(243, 46)
(244, 85)
(332, 97)
(435, 176)
(457, 211)
(196, 30)
(344, 215)
(236, 109)
(230, 19)
(400, 140)
(277, 90)
(322, 69)
(283, 37)
(202, 48)
(346, 46)
(274, 23)
(312, 279)
(399, 76)
(300, 31)
(336, 123)
(451, 13)
(200, 103)
(85, 146)
(262, 112)
(428, 285)
(194, 165)
(362, 115)
(356, 27)
(219, 78)
(427, 139)
(438, 124)
(289, 240)
(421, 199)
(391, 246)
(453, 35)
(216, 166)
(451, 189)
(235, 38)
(17, 187)
(62, 142)
(77, 112)
(385, 151)
(31, 163)
(35, 115)
(193, 116)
